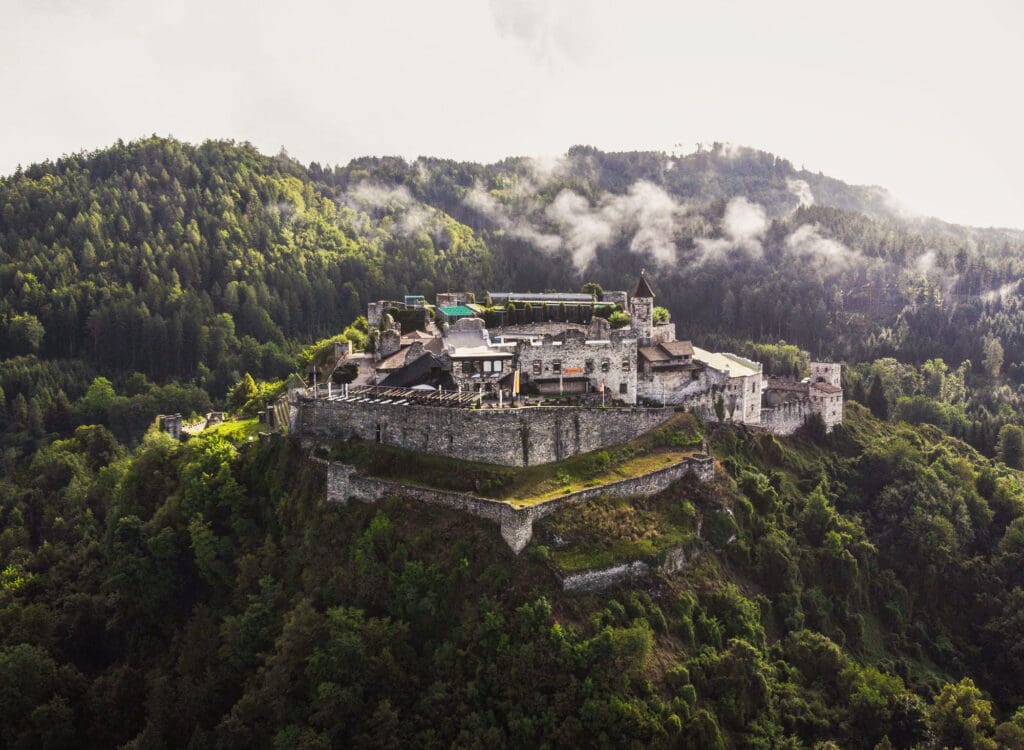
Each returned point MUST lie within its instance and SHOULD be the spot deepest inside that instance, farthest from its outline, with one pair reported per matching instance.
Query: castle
(525, 376)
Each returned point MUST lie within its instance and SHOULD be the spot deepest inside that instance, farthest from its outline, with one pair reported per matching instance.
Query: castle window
(589, 365)
(556, 366)
(537, 368)
(605, 366)
(625, 365)
(623, 388)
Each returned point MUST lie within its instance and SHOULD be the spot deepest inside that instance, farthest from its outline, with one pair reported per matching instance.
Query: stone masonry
(509, 437)
(516, 524)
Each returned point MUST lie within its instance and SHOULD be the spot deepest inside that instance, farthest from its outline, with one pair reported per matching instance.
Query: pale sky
(923, 98)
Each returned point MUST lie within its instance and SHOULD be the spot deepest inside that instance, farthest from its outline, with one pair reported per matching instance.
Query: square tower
(641, 311)
(827, 372)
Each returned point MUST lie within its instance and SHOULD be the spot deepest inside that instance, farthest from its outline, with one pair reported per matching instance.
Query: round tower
(641, 310)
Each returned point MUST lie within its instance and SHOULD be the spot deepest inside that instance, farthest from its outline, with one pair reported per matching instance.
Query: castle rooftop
(736, 366)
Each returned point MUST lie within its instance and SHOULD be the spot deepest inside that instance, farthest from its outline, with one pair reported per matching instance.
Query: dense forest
(203, 595)
(164, 594)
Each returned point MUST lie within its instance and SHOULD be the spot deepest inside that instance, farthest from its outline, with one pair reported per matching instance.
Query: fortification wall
(787, 417)
(344, 483)
(510, 437)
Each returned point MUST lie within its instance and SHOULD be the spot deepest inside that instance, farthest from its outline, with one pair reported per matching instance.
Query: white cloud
(825, 253)
(410, 215)
(517, 224)
(549, 30)
(649, 216)
(801, 190)
(743, 224)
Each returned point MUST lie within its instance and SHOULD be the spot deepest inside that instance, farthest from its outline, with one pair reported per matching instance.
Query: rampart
(509, 437)
(344, 483)
(786, 417)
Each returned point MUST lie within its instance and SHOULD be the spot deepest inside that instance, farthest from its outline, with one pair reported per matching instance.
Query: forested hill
(859, 590)
(181, 261)
(159, 264)
(164, 258)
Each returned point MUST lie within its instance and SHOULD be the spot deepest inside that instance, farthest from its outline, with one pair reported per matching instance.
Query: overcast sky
(924, 98)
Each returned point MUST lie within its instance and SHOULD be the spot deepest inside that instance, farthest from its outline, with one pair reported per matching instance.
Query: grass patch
(237, 431)
(613, 530)
(522, 486)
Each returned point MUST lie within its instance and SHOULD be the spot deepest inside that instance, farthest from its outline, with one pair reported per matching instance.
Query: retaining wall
(344, 483)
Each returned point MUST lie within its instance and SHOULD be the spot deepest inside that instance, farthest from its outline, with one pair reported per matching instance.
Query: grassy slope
(522, 486)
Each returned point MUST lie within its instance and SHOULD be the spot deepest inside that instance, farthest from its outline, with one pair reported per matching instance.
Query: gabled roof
(642, 288)
(678, 348)
(396, 361)
(666, 352)
(424, 369)
(654, 354)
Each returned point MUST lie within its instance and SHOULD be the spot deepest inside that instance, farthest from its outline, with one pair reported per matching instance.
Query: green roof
(453, 311)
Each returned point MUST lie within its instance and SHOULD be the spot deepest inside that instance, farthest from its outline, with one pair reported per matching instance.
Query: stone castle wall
(344, 483)
(787, 417)
(612, 361)
(509, 437)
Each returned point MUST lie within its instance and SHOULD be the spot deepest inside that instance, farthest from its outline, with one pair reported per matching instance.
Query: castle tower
(641, 310)
(827, 372)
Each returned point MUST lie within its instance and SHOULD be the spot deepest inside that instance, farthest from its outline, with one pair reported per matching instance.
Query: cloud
(825, 253)
(583, 229)
(649, 216)
(1001, 293)
(645, 215)
(802, 191)
(743, 225)
(410, 215)
(744, 221)
(550, 31)
(925, 262)
(518, 224)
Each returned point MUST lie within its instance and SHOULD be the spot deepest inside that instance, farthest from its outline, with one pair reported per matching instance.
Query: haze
(921, 98)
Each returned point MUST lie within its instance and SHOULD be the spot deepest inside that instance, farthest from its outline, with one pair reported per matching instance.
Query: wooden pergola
(380, 394)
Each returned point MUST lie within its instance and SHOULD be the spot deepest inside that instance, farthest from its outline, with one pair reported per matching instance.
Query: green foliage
(1011, 446)
(201, 593)
(619, 319)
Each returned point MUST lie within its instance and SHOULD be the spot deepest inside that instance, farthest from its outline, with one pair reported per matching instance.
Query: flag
(515, 383)
(602, 387)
